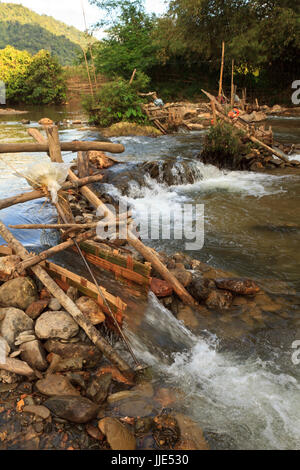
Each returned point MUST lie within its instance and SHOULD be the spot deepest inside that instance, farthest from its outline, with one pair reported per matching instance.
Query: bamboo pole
(37, 194)
(146, 252)
(67, 303)
(232, 85)
(54, 250)
(75, 146)
(88, 73)
(222, 70)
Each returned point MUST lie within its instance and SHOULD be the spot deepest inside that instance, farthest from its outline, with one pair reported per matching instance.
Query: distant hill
(24, 29)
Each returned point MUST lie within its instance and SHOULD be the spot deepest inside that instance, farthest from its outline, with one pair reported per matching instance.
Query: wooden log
(37, 194)
(146, 252)
(67, 303)
(75, 146)
(54, 250)
(35, 133)
(222, 70)
(64, 226)
(54, 145)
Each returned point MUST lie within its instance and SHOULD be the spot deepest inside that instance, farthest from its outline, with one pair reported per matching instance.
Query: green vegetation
(181, 50)
(32, 79)
(118, 101)
(26, 30)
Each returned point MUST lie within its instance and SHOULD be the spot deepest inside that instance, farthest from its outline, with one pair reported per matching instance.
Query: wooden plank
(118, 270)
(67, 278)
(115, 257)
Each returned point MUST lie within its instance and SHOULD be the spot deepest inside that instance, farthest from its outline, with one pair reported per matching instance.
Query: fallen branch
(67, 303)
(37, 194)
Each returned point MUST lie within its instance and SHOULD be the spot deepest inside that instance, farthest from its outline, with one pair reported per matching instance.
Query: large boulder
(19, 293)
(15, 322)
(56, 325)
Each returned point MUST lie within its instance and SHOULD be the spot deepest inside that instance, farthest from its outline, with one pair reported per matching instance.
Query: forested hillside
(26, 30)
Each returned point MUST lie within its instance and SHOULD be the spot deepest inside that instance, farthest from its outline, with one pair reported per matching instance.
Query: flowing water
(236, 380)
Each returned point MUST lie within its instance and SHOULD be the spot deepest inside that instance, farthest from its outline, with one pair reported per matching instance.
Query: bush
(35, 80)
(118, 101)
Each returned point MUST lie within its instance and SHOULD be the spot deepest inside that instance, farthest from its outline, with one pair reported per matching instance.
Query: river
(235, 378)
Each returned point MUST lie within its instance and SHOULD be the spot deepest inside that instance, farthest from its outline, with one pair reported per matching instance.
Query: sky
(70, 12)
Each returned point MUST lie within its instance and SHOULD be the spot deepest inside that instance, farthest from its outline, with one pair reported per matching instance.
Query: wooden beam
(75, 146)
(54, 144)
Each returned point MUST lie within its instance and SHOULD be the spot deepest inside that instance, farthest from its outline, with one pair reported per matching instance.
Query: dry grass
(129, 128)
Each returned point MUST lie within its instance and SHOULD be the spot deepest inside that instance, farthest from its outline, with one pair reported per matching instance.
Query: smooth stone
(24, 339)
(18, 293)
(238, 286)
(4, 347)
(54, 305)
(56, 324)
(118, 436)
(56, 385)
(37, 410)
(14, 323)
(75, 409)
(191, 432)
(33, 353)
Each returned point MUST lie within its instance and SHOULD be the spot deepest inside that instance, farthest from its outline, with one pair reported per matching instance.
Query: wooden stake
(213, 107)
(232, 85)
(54, 145)
(132, 77)
(222, 69)
(67, 303)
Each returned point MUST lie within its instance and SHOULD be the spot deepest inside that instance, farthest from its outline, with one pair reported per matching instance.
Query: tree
(129, 44)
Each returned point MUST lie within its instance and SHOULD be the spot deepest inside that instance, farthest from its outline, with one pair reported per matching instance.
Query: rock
(91, 310)
(183, 276)
(7, 265)
(4, 347)
(161, 288)
(75, 409)
(99, 159)
(90, 354)
(56, 385)
(72, 293)
(191, 432)
(37, 410)
(25, 121)
(19, 293)
(54, 305)
(71, 364)
(56, 325)
(116, 374)
(220, 300)
(36, 308)
(255, 116)
(46, 122)
(199, 288)
(165, 396)
(94, 432)
(187, 316)
(117, 434)
(24, 338)
(98, 388)
(131, 403)
(238, 286)
(7, 377)
(14, 323)
(34, 354)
